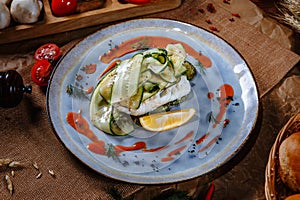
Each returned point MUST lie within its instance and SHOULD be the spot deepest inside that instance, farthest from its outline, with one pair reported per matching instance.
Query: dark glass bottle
(12, 89)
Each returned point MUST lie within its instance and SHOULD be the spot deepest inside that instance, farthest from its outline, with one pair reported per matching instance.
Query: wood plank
(111, 11)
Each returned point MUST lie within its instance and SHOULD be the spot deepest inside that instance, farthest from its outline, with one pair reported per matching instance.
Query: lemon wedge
(165, 121)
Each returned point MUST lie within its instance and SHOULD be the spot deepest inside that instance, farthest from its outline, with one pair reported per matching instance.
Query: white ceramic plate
(210, 139)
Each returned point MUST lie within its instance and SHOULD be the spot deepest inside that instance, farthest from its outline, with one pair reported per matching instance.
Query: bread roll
(293, 197)
(289, 161)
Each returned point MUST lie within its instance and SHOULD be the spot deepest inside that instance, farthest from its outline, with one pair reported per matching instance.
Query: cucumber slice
(176, 49)
(168, 75)
(150, 87)
(156, 79)
(121, 123)
(100, 112)
(102, 119)
(134, 101)
(162, 58)
(155, 58)
(106, 86)
(153, 51)
(155, 64)
(180, 70)
(177, 56)
(144, 77)
(147, 95)
(127, 80)
(190, 70)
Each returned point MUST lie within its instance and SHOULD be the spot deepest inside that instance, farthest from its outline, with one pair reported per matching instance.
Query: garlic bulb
(26, 11)
(4, 16)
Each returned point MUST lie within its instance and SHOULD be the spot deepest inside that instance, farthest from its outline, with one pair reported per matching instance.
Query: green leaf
(76, 92)
(201, 67)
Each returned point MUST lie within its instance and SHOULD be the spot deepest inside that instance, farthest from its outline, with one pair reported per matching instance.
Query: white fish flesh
(172, 93)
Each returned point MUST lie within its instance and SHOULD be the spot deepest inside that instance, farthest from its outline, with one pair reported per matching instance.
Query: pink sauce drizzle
(143, 42)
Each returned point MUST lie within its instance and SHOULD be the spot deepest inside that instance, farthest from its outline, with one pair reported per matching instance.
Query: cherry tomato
(41, 72)
(63, 7)
(47, 52)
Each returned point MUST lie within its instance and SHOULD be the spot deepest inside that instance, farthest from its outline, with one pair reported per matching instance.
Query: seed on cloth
(39, 175)
(35, 165)
(9, 183)
(15, 164)
(51, 172)
(4, 161)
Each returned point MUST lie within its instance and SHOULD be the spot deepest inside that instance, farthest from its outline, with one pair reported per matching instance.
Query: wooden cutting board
(89, 13)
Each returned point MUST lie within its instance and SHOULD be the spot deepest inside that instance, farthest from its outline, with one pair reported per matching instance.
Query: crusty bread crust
(293, 197)
(289, 161)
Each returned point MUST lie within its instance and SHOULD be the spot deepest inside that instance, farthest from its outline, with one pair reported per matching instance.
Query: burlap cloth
(26, 134)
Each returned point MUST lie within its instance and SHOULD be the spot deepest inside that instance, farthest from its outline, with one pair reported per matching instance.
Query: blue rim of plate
(228, 67)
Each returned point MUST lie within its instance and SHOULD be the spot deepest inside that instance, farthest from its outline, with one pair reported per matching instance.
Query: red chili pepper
(208, 21)
(213, 28)
(210, 8)
(236, 15)
(231, 19)
(210, 192)
(201, 10)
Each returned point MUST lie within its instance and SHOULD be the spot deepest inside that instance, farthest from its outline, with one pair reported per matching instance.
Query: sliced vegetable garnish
(126, 83)
(137, 86)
